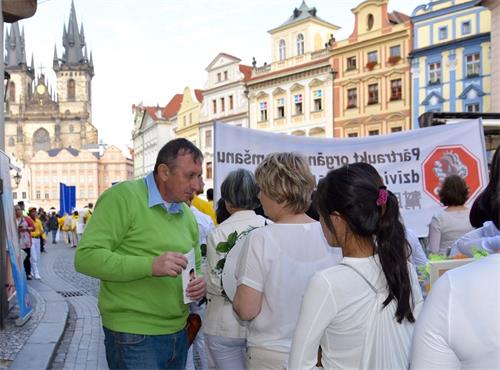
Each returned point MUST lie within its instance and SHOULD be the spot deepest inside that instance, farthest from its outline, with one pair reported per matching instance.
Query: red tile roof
(173, 106)
(247, 71)
(152, 111)
(199, 95)
(398, 17)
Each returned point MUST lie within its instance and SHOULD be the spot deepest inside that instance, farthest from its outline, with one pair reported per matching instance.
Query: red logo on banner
(450, 160)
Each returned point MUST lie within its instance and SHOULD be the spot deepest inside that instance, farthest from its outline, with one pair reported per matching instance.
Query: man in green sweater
(135, 244)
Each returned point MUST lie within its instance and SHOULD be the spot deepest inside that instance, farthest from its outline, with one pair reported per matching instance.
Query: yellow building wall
(435, 30)
(460, 19)
(485, 17)
(423, 36)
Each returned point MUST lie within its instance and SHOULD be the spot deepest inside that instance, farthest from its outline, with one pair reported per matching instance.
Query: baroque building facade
(224, 100)
(153, 128)
(293, 93)
(372, 84)
(39, 117)
(451, 58)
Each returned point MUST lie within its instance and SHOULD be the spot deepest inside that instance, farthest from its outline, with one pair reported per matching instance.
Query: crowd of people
(36, 228)
(289, 274)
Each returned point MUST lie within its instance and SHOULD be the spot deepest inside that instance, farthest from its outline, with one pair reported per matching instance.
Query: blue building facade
(451, 58)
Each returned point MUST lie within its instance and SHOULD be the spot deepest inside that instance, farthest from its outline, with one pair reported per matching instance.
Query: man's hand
(197, 288)
(169, 264)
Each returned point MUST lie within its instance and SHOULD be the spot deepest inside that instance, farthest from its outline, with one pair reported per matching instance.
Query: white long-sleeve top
(278, 260)
(486, 238)
(335, 312)
(459, 326)
(221, 320)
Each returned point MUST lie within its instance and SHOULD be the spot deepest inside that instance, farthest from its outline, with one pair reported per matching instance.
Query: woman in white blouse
(452, 222)
(225, 334)
(362, 311)
(277, 261)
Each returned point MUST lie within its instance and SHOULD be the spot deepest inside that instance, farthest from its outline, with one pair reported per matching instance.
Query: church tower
(21, 76)
(74, 72)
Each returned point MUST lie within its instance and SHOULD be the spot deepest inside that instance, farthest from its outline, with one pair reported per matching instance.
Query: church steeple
(14, 44)
(74, 43)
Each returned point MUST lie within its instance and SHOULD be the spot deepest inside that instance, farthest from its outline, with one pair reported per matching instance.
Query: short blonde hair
(286, 178)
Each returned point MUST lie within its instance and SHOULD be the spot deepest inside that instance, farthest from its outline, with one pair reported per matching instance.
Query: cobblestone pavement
(13, 337)
(82, 345)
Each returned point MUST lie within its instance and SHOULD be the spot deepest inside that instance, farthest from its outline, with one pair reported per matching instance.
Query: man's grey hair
(240, 189)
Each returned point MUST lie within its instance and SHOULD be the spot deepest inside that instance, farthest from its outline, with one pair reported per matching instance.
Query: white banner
(412, 163)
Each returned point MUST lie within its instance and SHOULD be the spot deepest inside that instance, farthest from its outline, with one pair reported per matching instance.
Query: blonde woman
(226, 335)
(278, 260)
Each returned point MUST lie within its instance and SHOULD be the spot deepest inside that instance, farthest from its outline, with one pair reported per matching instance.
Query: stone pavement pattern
(82, 345)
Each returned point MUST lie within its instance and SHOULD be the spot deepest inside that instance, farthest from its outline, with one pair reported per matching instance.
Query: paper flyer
(188, 274)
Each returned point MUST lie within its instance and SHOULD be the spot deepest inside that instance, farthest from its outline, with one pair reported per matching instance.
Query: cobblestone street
(82, 345)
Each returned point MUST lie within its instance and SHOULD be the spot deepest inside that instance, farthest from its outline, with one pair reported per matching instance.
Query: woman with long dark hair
(372, 294)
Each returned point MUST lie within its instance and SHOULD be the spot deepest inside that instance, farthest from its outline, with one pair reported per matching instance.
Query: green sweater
(118, 247)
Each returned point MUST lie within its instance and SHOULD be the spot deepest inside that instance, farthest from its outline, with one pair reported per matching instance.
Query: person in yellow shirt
(88, 214)
(202, 205)
(73, 237)
(36, 236)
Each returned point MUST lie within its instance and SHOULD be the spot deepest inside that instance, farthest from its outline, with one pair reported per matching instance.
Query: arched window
(71, 89)
(369, 22)
(12, 91)
(300, 44)
(282, 49)
(41, 140)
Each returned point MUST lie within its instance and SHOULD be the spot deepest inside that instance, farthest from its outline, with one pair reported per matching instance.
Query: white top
(486, 238)
(334, 314)
(446, 227)
(418, 257)
(221, 320)
(205, 224)
(459, 326)
(278, 260)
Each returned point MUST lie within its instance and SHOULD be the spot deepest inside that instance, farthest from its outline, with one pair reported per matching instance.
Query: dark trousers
(26, 262)
(42, 242)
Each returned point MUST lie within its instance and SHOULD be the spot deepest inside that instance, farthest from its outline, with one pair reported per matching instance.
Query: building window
(369, 22)
(280, 108)
(282, 49)
(24, 195)
(435, 73)
(71, 89)
(352, 98)
(352, 134)
(208, 170)
(443, 33)
(396, 89)
(214, 106)
(190, 118)
(82, 193)
(231, 102)
(297, 100)
(473, 65)
(184, 121)
(263, 110)
(12, 91)
(373, 132)
(54, 194)
(351, 63)
(300, 44)
(14, 195)
(318, 100)
(12, 141)
(225, 75)
(222, 105)
(395, 51)
(472, 108)
(466, 28)
(46, 195)
(208, 138)
(373, 94)
(373, 57)
(396, 129)
(37, 194)
(219, 77)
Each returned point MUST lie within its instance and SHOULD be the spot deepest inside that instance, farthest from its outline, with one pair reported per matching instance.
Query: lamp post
(333, 72)
(17, 178)
(247, 92)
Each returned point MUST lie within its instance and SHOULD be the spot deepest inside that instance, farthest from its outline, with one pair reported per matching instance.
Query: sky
(146, 51)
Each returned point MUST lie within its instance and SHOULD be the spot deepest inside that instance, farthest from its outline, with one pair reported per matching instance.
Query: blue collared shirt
(155, 198)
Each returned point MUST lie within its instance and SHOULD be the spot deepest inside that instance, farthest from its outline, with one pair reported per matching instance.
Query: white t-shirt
(486, 238)
(446, 227)
(278, 260)
(205, 224)
(459, 326)
(334, 314)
